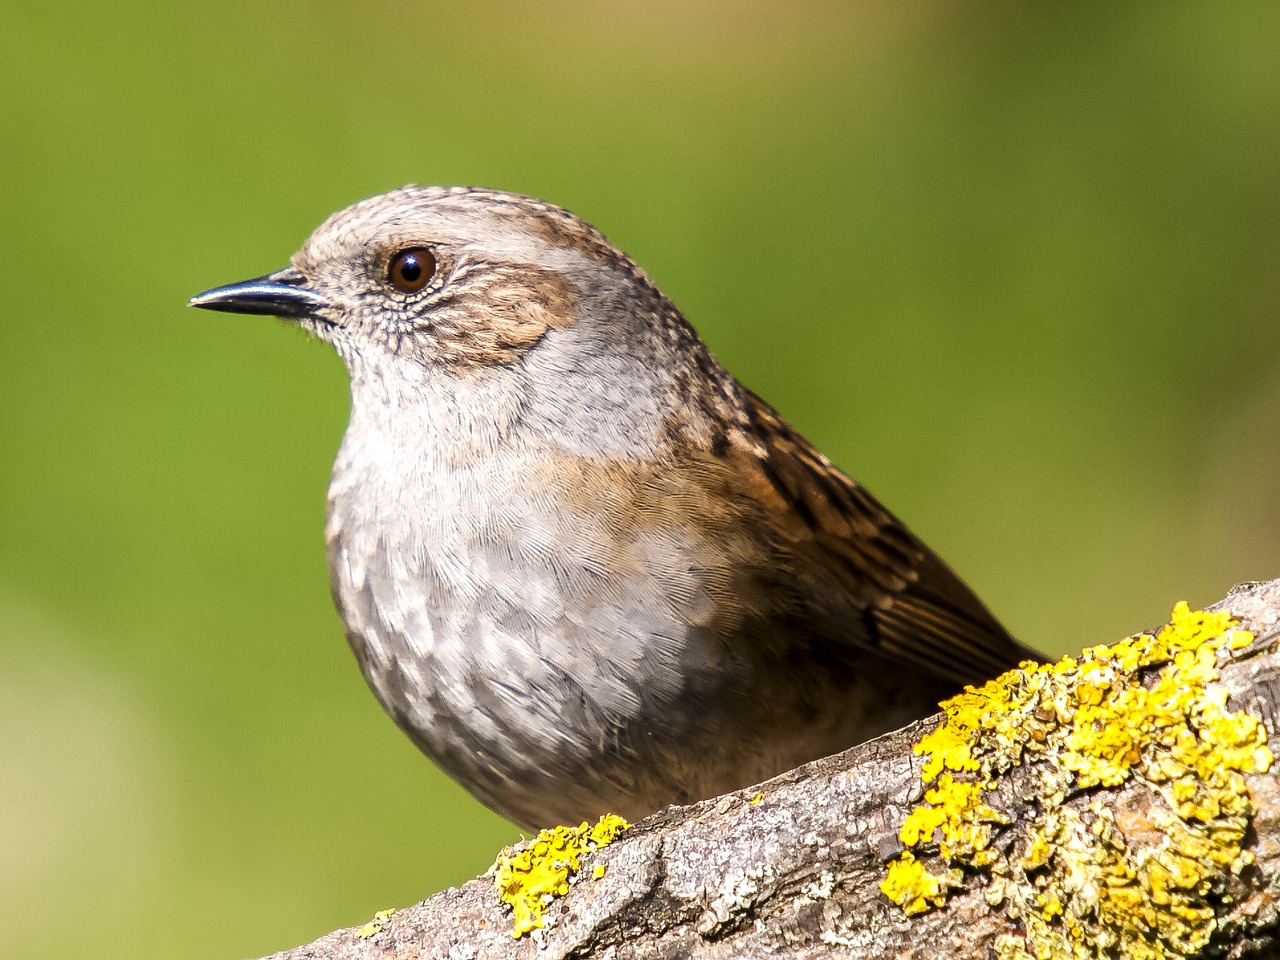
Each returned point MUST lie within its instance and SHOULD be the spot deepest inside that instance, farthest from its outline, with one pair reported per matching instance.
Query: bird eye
(412, 269)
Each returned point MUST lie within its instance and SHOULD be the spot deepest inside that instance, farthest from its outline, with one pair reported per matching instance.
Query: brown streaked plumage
(580, 565)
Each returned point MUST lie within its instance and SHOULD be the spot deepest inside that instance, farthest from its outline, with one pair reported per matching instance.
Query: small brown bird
(580, 565)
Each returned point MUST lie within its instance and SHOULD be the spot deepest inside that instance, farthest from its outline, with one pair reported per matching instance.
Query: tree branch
(794, 867)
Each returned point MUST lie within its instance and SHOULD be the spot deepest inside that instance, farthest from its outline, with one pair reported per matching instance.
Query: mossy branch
(1167, 846)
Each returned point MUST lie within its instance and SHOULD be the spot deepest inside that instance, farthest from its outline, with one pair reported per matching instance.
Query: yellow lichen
(915, 888)
(376, 925)
(1146, 711)
(954, 809)
(1036, 850)
(531, 878)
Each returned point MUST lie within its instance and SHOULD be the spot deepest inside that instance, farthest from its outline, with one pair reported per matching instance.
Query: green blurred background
(1015, 267)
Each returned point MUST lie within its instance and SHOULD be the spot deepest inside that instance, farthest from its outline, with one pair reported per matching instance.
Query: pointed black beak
(280, 294)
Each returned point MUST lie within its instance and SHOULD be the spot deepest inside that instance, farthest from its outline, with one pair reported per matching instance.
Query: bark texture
(797, 873)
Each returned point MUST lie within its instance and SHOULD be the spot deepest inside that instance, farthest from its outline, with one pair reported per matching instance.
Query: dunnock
(580, 565)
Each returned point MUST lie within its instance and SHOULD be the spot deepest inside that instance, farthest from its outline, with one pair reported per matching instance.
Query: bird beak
(280, 294)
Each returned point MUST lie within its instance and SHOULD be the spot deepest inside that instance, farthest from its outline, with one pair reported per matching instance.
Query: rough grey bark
(798, 874)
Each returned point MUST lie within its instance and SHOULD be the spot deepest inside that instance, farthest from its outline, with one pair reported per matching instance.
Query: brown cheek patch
(507, 315)
(544, 300)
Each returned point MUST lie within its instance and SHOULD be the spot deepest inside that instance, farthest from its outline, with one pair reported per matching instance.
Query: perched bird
(580, 565)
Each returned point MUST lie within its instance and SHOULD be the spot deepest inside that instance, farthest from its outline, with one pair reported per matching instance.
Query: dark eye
(412, 269)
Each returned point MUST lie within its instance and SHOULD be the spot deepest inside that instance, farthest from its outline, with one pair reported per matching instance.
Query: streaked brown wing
(918, 610)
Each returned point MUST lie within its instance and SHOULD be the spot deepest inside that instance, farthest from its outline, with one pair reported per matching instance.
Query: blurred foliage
(1014, 266)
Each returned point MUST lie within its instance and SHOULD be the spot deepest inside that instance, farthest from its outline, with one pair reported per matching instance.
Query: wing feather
(917, 609)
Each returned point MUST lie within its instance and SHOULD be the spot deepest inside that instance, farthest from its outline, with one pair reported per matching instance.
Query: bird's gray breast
(567, 632)
(516, 625)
